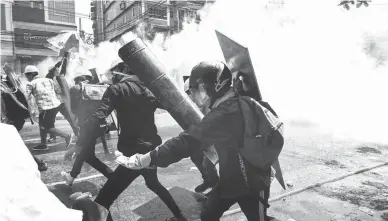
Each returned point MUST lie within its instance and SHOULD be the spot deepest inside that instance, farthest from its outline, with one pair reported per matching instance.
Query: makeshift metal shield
(238, 60)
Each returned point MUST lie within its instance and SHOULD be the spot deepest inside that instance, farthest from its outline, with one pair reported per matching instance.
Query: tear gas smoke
(314, 60)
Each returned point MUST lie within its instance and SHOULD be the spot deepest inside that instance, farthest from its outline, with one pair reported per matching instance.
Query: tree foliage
(347, 4)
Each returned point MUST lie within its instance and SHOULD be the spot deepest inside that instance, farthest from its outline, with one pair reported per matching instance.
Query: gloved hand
(135, 162)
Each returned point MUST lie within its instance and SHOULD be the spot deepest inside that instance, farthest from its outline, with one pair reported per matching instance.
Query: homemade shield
(238, 60)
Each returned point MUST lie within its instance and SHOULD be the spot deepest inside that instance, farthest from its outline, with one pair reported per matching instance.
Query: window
(61, 11)
(157, 12)
(133, 11)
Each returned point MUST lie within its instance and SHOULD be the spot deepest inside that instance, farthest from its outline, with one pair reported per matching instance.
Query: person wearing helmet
(204, 165)
(82, 111)
(45, 91)
(135, 106)
(210, 86)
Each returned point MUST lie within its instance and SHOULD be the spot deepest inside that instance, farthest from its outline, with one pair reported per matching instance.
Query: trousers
(251, 206)
(122, 177)
(87, 142)
(205, 167)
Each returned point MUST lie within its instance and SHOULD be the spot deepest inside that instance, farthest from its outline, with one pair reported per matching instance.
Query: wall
(119, 20)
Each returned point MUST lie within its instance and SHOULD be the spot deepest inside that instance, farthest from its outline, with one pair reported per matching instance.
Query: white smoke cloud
(313, 59)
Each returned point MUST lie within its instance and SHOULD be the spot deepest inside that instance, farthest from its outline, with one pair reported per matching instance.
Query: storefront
(31, 47)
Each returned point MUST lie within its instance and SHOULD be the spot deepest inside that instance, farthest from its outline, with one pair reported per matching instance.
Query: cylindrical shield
(151, 71)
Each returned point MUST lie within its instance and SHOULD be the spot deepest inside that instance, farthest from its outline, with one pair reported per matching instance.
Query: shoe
(52, 139)
(181, 218)
(203, 187)
(40, 147)
(69, 139)
(68, 178)
(42, 166)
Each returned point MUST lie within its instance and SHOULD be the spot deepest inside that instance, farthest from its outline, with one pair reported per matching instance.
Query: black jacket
(222, 127)
(135, 106)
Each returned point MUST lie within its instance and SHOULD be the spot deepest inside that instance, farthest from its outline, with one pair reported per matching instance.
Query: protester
(82, 110)
(204, 165)
(45, 92)
(53, 72)
(240, 182)
(135, 106)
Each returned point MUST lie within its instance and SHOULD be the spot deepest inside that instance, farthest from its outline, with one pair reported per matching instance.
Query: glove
(135, 162)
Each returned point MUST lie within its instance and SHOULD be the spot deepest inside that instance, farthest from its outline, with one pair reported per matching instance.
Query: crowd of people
(211, 86)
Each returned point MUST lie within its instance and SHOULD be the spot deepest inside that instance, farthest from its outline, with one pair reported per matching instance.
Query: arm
(207, 133)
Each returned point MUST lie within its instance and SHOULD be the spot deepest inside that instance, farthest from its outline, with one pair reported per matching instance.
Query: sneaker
(68, 178)
(69, 139)
(40, 147)
(52, 139)
(202, 187)
(42, 166)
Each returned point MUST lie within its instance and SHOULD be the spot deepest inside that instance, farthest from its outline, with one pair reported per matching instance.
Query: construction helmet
(83, 73)
(31, 69)
(215, 76)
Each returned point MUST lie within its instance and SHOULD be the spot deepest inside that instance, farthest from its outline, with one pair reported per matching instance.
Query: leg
(104, 144)
(251, 206)
(152, 182)
(97, 164)
(207, 170)
(215, 206)
(69, 117)
(48, 124)
(49, 121)
(43, 133)
(119, 180)
(87, 149)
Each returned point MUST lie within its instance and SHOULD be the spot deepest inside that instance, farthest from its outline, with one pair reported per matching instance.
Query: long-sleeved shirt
(135, 106)
(223, 127)
(45, 92)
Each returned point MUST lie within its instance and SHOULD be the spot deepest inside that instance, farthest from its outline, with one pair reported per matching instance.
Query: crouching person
(240, 182)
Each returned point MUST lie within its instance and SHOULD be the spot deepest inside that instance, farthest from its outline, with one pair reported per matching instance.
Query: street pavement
(310, 156)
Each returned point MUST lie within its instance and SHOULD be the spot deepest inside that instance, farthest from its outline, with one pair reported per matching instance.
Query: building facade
(33, 23)
(7, 37)
(112, 19)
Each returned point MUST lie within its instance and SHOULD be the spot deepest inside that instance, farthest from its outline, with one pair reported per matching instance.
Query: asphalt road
(309, 156)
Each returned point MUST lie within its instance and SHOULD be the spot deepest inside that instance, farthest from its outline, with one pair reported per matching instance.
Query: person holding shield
(223, 127)
(135, 106)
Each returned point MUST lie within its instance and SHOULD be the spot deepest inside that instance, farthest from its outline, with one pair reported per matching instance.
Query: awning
(36, 52)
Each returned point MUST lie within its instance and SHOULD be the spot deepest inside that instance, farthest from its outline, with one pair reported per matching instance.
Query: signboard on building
(32, 39)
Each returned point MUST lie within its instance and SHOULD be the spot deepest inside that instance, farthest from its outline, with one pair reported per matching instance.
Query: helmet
(81, 72)
(31, 69)
(115, 63)
(215, 76)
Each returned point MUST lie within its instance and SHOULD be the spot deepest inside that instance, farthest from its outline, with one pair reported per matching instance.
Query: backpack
(263, 134)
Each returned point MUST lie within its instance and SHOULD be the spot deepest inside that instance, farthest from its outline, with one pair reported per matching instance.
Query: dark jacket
(135, 106)
(222, 127)
(13, 111)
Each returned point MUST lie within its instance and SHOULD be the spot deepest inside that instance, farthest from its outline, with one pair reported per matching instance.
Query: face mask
(200, 97)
